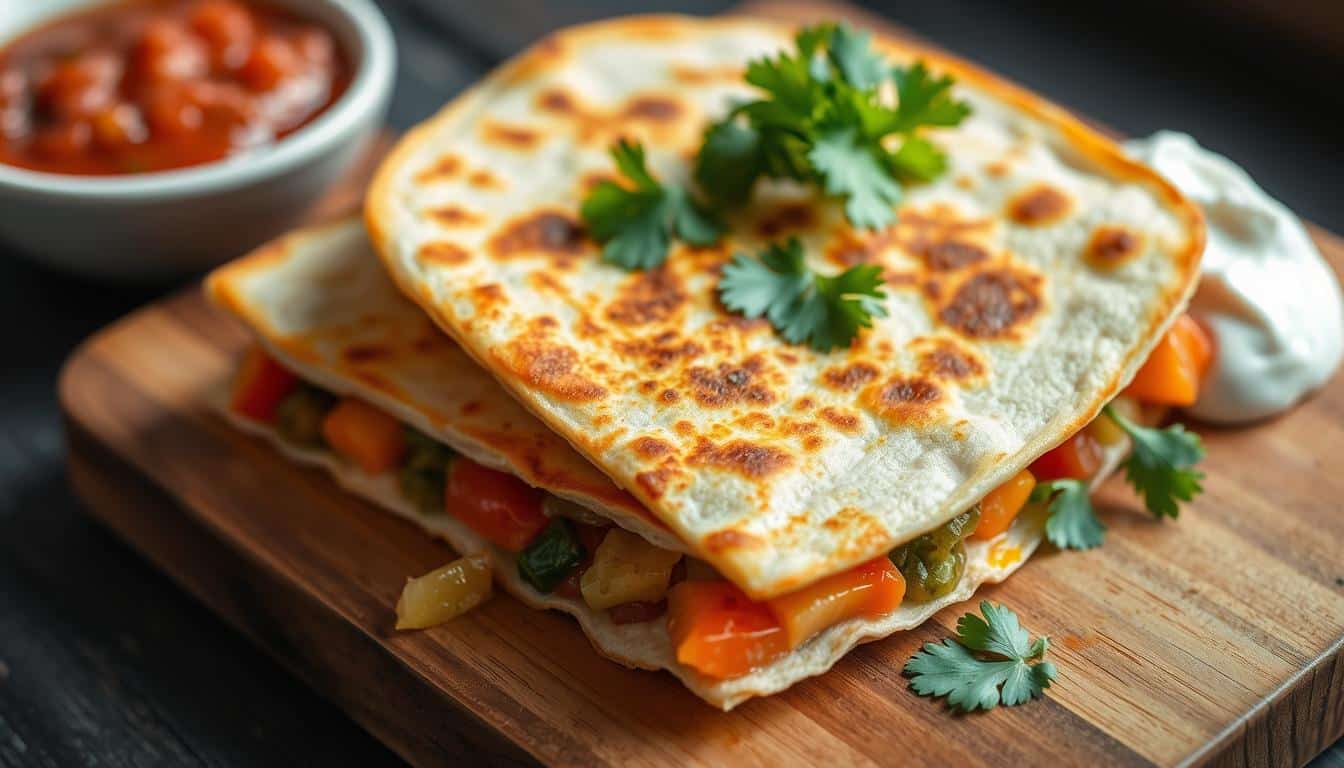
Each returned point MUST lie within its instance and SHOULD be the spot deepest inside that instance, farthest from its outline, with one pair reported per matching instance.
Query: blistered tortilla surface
(1025, 286)
(320, 302)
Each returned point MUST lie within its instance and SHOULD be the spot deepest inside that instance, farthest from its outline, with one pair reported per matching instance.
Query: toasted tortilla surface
(1006, 330)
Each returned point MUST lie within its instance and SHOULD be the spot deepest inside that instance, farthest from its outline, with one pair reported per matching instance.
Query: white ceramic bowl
(157, 224)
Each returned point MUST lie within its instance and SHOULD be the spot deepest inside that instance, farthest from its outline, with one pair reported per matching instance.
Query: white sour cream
(1271, 301)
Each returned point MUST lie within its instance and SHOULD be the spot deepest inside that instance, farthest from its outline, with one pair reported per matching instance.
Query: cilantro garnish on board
(992, 661)
(826, 118)
(638, 220)
(1159, 468)
(805, 307)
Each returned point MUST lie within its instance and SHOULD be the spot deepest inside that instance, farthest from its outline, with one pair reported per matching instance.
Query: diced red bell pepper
(261, 384)
(497, 505)
(1078, 458)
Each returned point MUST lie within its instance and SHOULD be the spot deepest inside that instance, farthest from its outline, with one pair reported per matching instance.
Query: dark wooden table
(104, 662)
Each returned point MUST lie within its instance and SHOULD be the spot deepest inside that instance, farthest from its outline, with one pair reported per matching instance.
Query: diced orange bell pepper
(261, 384)
(1078, 458)
(872, 589)
(497, 505)
(1176, 367)
(719, 631)
(365, 435)
(1000, 506)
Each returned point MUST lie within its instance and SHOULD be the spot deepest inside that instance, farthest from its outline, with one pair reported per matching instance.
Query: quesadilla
(320, 304)
(1025, 287)
(621, 440)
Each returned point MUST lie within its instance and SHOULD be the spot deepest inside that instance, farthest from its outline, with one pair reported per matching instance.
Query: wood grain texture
(1213, 639)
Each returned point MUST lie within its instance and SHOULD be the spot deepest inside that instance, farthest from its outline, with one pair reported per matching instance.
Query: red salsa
(151, 85)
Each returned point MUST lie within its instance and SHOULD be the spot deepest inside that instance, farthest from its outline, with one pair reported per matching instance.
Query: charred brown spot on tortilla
(689, 75)
(997, 169)
(1039, 205)
(753, 461)
(546, 282)
(454, 216)
(655, 481)
(653, 108)
(471, 407)
(440, 252)
(486, 298)
(756, 421)
(945, 359)
(546, 233)
(849, 378)
(444, 168)
(651, 447)
(1111, 246)
(602, 419)
(646, 297)
(660, 351)
(950, 255)
(483, 179)
(845, 421)
(669, 396)
(812, 443)
(515, 137)
(550, 367)
(804, 404)
(722, 541)
(932, 289)
(796, 427)
(684, 428)
(556, 100)
(364, 353)
(785, 218)
(905, 399)
(730, 384)
(853, 248)
(992, 304)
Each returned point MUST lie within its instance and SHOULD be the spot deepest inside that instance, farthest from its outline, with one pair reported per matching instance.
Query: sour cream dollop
(1268, 296)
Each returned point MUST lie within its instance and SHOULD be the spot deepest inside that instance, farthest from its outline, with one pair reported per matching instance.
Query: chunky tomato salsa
(151, 85)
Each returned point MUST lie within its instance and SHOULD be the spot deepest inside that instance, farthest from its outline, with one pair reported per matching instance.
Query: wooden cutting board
(1216, 638)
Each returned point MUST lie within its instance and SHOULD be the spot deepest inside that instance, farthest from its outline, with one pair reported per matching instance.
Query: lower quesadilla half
(351, 376)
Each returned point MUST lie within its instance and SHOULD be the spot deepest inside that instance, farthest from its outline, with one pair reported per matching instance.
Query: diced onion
(444, 593)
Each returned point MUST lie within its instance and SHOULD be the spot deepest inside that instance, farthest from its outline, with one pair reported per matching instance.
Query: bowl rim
(371, 84)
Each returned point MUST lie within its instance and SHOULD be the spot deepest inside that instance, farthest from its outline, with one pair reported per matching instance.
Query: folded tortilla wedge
(1025, 287)
(319, 302)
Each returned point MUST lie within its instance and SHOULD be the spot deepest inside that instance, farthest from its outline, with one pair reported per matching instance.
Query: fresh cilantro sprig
(992, 661)
(825, 119)
(1159, 468)
(1072, 523)
(1160, 465)
(802, 305)
(638, 220)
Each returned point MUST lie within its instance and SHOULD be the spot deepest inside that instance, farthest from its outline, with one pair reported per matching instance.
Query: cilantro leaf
(918, 159)
(730, 161)
(925, 100)
(1072, 523)
(637, 222)
(1159, 466)
(826, 118)
(851, 52)
(850, 169)
(991, 662)
(824, 311)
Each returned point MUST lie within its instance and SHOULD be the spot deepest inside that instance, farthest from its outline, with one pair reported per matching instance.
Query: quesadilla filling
(561, 548)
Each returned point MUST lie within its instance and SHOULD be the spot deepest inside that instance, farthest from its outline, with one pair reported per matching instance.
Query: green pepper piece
(299, 417)
(933, 563)
(423, 474)
(551, 557)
